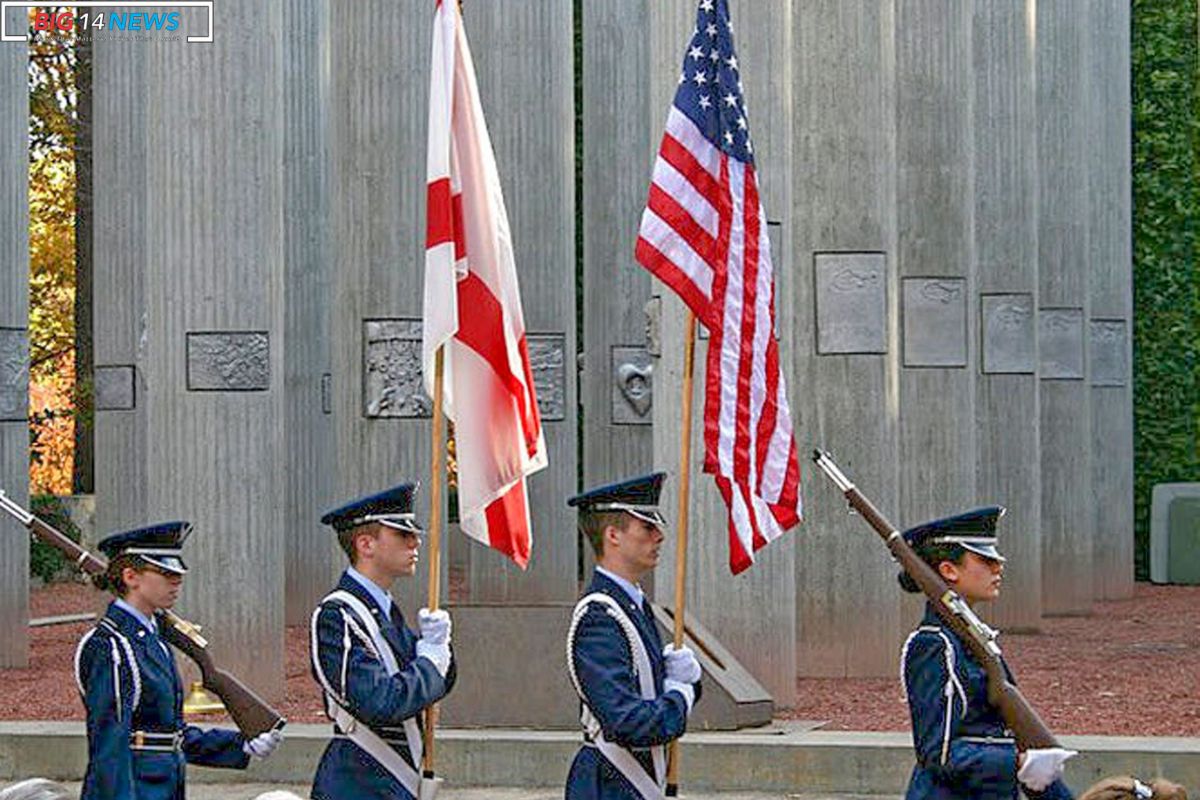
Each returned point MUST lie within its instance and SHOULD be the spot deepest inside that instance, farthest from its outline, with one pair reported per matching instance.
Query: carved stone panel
(228, 361)
(116, 389)
(1060, 343)
(1009, 334)
(851, 296)
(1108, 352)
(632, 372)
(935, 322)
(392, 383)
(547, 361)
(14, 375)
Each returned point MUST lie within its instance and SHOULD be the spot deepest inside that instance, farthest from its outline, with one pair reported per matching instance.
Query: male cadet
(376, 673)
(636, 694)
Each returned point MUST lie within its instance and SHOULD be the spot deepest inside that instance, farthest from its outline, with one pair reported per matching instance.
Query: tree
(52, 135)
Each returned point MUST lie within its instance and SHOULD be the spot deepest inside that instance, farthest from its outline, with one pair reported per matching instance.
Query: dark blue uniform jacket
(963, 748)
(603, 664)
(108, 678)
(373, 697)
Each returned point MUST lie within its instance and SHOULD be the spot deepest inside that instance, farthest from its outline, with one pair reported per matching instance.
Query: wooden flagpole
(438, 448)
(681, 537)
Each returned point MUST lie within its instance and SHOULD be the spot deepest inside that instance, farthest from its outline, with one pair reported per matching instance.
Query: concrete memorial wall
(14, 346)
(620, 317)
(528, 100)
(943, 258)
(1063, 307)
(121, 261)
(313, 559)
(1110, 296)
(838, 328)
(752, 614)
(379, 68)
(1008, 470)
(208, 349)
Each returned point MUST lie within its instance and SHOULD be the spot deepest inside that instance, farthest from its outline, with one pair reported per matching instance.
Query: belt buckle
(139, 739)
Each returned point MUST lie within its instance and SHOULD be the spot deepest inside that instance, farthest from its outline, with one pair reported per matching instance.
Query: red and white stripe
(488, 386)
(704, 234)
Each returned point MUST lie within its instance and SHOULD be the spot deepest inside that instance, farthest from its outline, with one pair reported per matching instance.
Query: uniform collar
(382, 598)
(146, 622)
(632, 589)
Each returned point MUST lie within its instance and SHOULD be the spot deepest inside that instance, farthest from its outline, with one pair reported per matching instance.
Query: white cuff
(437, 654)
(686, 689)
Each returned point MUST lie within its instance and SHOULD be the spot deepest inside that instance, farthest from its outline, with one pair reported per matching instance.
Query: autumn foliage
(52, 384)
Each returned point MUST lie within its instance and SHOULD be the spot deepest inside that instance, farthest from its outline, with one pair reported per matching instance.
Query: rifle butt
(1027, 727)
(250, 713)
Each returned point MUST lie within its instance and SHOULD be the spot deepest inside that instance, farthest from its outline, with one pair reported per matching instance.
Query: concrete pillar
(1110, 294)
(121, 336)
(1067, 514)
(14, 344)
(753, 615)
(313, 558)
(841, 331)
(528, 100)
(213, 290)
(379, 88)
(620, 356)
(934, 129)
(1007, 437)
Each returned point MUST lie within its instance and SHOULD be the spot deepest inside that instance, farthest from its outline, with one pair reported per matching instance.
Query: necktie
(396, 616)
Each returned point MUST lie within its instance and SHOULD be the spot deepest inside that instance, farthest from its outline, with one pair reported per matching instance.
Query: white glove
(435, 625)
(686, 689)
(439, 654)
(1043, 767)
(262, 745)
(682, 665)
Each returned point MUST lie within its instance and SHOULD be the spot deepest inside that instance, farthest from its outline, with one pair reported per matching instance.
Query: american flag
(704, 235)
(469, 268)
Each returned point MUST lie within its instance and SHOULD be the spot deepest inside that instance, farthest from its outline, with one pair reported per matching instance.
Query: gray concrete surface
(1063, 275)
(1110, 289)
(248, 791)
(14, 347)
(1006, 385)
(848, 619)
(779, 759)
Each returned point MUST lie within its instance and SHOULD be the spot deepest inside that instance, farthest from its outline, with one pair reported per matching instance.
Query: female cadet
(963, 748)
(137, 741)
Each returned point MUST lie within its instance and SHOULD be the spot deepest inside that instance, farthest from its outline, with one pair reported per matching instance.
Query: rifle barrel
(1028, 728)
(251, 713)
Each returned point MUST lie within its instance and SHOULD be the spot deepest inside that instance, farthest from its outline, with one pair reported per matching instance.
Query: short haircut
(593, 523)
(346, 538)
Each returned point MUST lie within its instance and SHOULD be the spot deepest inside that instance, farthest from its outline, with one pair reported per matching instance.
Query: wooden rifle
(250, 712)
(1028, 728)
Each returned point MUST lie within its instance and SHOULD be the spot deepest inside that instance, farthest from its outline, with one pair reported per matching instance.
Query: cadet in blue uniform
(963, 748)
(377, 674)
(636, 695)
(137, 740)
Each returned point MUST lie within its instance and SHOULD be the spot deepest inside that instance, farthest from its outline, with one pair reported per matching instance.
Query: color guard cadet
(377, 674)
(636, 695)
(963, 748)
(137, 740)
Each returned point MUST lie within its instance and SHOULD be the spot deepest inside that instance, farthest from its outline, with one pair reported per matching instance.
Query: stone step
(783, 758)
